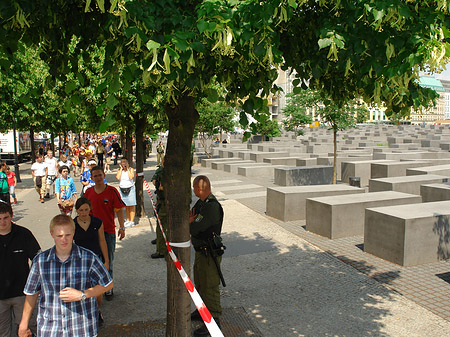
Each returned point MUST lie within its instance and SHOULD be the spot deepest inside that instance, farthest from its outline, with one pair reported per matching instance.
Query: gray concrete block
(259, 156)
(408, 235)
(219, 165)
(306, 162)
(407, 184)
(394, 168)
(343, 216)
(435, 192)
(287, 161)
(261, 170)
(443, 170)
(308, 175)
(208, 162)
(358, 168)
(233, 167)
(288, 203)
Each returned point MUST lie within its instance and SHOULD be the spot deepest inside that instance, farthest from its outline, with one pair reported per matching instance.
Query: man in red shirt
(105, 202)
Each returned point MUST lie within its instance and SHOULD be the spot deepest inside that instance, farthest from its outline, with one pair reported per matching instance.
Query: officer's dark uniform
(209, 220)
(161, 248)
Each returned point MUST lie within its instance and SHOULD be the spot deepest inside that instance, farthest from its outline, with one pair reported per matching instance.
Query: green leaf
(80, 78)
(260, 50)
(99, 109)
(76, 99)
(115, 85)
(126, 86)
(104, 126)
(68, 107)
(297, 90)
(101, 5)
(70, 86)
(111, 101)
(100, 88)
(152, 45)
(24, 99)
(70, 118)
(213, 96)
(202, 25)
(181, 44)
(147, 99)
(323, 43)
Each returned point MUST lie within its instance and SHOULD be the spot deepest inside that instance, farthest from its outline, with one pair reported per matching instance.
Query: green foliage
(266, 127)
(369, 49)
(296, 112)
(214, 118)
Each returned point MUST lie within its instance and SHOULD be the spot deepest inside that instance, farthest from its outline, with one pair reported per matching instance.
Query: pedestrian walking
(39, 173)
(160, 149)
(66, 193)
(127, 190)
(67, 279)
(106, 202)
(18, 247)
(12, 183)
(4, 189)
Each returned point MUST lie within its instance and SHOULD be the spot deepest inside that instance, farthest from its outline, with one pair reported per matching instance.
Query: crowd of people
(70, 279)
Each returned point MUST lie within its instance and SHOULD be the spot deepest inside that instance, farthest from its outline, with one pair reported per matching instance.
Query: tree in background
(215, 118)
(266, 127)
(296, 112)
(339, 118)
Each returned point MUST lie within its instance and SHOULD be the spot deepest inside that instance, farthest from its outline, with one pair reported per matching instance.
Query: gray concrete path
(287, 286)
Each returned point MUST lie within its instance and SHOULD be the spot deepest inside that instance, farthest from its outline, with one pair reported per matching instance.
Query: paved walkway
(286, 280)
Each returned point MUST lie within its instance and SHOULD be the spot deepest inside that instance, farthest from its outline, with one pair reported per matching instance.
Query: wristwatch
(122, 228)
(83, 296)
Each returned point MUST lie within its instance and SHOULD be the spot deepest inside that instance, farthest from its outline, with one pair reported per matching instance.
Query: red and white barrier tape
(209, 321)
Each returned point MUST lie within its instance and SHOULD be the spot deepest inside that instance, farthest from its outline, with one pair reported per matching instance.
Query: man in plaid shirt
(68, 278)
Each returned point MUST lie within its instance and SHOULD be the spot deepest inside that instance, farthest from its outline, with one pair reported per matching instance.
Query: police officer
(205, 218)
(162, 213)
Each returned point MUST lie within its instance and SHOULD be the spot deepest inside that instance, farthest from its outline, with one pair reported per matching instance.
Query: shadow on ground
(283, 290)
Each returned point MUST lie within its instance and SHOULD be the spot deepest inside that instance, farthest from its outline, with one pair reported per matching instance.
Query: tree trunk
(122, 142)
(33, 146)
(140, 121)
(52, 143)
(334, 154)
(129, 146)
(177, 186)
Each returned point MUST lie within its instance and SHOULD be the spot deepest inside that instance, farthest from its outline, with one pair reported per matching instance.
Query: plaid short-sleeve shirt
(82, 270)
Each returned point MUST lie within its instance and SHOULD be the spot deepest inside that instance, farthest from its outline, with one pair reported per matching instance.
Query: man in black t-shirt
(17, 247)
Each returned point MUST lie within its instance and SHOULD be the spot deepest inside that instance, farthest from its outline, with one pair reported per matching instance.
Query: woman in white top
(127, 190)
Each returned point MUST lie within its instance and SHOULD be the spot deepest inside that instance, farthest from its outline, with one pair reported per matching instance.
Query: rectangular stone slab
(407, 184)
(408, 235)
(435, 192)
(304, 175)
(289, 203)
(343, 215)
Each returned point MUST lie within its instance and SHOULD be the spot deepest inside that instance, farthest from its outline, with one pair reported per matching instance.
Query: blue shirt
(82, 270)
(65, 187)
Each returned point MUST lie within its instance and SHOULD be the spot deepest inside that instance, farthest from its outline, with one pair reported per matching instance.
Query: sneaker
(47, 196)
(109, 295)
(41, 200)
(127, 224)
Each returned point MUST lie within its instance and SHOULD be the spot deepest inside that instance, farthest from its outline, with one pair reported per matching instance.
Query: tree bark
(140, 120)
(177, 186)
(129, 146)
